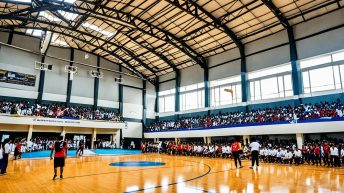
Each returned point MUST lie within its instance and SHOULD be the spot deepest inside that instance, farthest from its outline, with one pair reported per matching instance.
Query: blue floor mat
(116, 152)
(46, 154)
(43, 154)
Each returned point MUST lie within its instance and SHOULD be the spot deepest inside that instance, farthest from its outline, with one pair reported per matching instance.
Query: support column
(120, 100)
(63, 133)
(144, 107)
(246, 139)
(10, 37)
(244, 80)
(156, 107)
(176, 140)
(96, 86)
(204, 139)
(299, 140)
(41, 83)
(94, 137)
(29, 135)
(177, 98)
(206, 89)
(295, 67)
(70, 82)
(208, 139)
(116, 139)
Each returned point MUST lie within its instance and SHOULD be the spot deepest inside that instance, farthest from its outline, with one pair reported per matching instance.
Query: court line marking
(175, 183)
(86, 175)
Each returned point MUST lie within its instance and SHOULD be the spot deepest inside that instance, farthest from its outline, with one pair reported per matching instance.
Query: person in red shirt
(235, 151)
(59, 149)
(326, 149)
(17, 150)
(317, 155)
(179, 148)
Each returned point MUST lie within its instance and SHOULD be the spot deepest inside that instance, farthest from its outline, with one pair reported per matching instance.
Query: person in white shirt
(289, 157)
(278, 156)
(254, 152)
(342, 154)
(335, 161)
(298, 156)
(6, 153)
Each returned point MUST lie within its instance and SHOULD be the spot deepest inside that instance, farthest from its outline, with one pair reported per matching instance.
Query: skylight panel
(96, 28)
(68, 1)
(34, 32)
(25, 1)
(69, 16)
(55, 40)
(59, 42)
(48, 16)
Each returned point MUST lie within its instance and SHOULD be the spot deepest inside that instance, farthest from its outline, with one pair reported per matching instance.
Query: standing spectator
(235, 151)
(254, 152)
(334, 156)
(317, 155)
(1, 158)
(60, 148)
(326, 154)
(7, 151)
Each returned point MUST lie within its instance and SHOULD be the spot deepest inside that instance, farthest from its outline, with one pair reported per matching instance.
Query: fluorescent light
(68, 15)
(96, 28)
(48, 16)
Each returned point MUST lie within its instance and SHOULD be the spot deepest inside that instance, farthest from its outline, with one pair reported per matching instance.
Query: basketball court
(178, 174)
(171, 96)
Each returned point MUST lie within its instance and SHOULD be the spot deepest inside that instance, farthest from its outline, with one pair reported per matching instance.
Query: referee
(254, 152)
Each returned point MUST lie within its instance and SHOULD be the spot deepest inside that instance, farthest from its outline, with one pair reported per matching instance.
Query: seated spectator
(24, 108)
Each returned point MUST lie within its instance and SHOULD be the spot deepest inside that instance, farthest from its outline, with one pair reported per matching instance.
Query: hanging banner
(17, 78)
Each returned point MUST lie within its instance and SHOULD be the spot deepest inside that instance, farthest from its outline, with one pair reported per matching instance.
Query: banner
(27, 120)
(17, 78)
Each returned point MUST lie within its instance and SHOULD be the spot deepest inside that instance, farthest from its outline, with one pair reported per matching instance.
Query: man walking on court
(235, 151)
(254, 152)
(60, 148)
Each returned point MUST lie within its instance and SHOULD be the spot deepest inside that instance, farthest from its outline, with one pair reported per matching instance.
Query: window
(270, 83)
(225, 91)
(192, 97)
(323, 73)
(167, 101)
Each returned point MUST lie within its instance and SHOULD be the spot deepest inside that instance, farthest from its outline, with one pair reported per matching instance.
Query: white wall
(225, 71)
(133, 130)
(150, 100)
(3, 37)
(322, 43)
(131, 81)
(19, 61)
(132, 103)
(223, 57)
(52, 90)
(334, 126)
(191, 75)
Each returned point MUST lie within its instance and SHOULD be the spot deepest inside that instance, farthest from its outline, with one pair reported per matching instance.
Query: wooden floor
(180, 174)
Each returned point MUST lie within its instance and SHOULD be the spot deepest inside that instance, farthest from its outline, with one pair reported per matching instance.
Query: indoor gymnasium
(171, 96)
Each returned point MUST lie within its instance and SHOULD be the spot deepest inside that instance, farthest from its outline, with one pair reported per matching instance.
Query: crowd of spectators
(57, 110)
(286, 113)
(319, 153)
